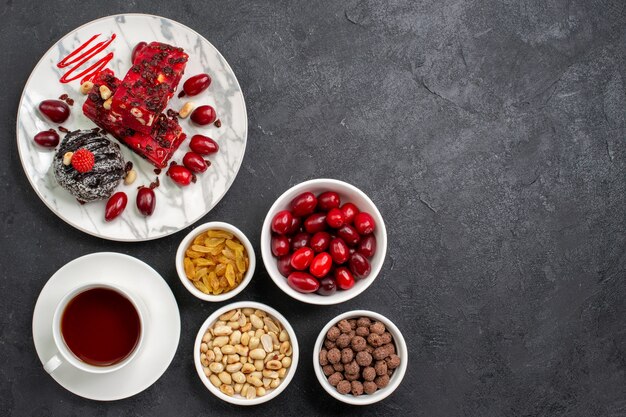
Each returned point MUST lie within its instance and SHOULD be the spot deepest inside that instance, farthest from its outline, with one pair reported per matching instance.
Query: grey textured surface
(491, 136)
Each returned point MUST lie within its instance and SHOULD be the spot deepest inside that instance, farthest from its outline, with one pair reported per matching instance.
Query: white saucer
(162, 330)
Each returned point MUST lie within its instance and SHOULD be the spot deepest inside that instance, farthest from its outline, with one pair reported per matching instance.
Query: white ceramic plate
(176, 207)
(162, 330)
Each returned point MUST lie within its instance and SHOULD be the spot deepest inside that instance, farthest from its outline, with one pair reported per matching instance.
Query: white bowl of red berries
(323, 241)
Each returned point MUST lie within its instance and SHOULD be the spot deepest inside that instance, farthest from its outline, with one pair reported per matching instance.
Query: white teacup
(65, 355)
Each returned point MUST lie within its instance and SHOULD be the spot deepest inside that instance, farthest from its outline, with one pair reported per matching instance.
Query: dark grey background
(491, 135)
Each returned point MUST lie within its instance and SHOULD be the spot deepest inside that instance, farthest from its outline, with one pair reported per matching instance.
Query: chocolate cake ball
(101, 180)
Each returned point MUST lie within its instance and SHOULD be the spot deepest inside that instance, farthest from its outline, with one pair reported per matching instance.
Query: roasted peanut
(257, 323)
(234, 367)
(266, 341)
(225, 377)
(105, 92)
(215, 380)
(241, 350)
(220, 341)
(239, 377)
(274, 365)
(228, 315)
(227, 389)
(228, 349)
(130, 177)
(86, 87)
(284, 336)
(185, 111)
(269, 374)
(252, 380)
(222, 331)
(258, 353)
(248, 368)
(286, 362)
(216, 367)
(67, 158)
(235, 338)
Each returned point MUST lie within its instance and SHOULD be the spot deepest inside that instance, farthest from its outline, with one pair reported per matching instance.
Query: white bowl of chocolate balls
(360, 357)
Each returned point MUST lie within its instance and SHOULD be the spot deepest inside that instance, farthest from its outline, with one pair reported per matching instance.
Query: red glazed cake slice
(160, 145)
(94, 109)
(157, 147)
(148, 85)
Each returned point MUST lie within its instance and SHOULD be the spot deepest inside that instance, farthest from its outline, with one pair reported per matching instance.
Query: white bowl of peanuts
(246, 353)
(215, 261)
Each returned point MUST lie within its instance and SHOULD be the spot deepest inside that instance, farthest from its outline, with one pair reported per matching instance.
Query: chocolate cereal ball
(363, 322)
(347, 355)
(380, 367)
(323, 357)
(369, 373)
(377, 328)
(363, 358)
(391, 348)
(375, 340)
(386, 338)
(382, 381)
(338, 367)
(369, 387)
(369, 349)
(393, 361)
(352, 368)
(362, 331)
(333, 355)
(357, 388)
(352, 323)
(344, 387)
(333, 333)
(335, 378)
(351, 377)
(329, 344)
(344, 326)
(379, 353)
(352, 333)
(358, 343)
(343, 341)
(328, 370)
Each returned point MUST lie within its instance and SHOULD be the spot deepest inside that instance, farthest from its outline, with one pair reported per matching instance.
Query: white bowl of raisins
(215, 261)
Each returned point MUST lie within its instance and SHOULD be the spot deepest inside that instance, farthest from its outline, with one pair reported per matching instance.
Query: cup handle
(52, 364)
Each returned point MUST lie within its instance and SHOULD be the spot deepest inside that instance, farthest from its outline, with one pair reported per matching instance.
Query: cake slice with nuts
(158, 146)
(148, 85)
